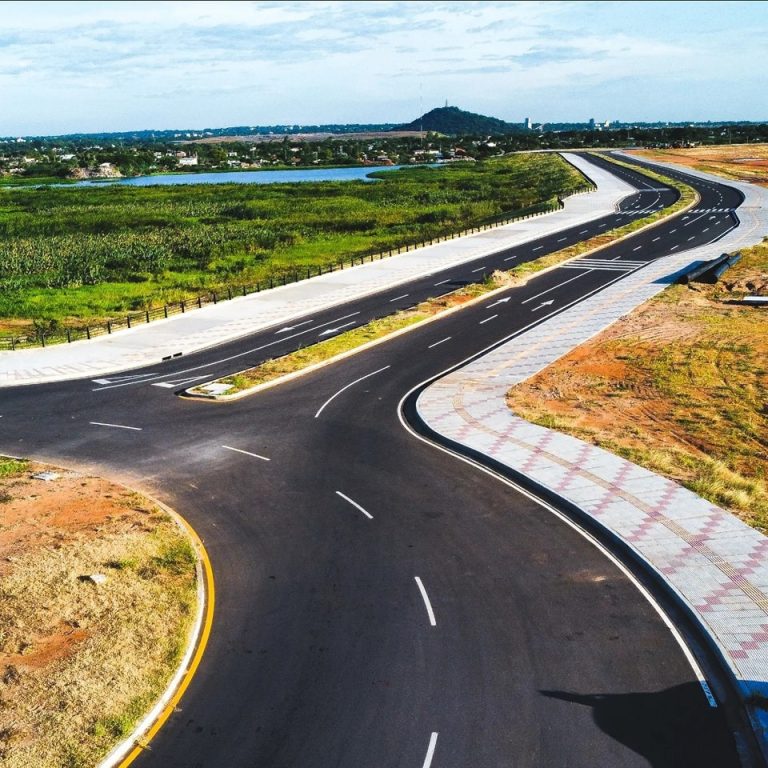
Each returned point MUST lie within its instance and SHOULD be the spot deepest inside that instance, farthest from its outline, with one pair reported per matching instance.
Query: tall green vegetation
(90, 253)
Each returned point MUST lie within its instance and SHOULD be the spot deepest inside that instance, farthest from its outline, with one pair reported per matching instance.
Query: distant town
(442, 135)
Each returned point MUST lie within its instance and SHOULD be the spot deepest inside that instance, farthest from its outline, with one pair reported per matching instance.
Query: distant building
(592, 124)
(528, 124)
(191, 160)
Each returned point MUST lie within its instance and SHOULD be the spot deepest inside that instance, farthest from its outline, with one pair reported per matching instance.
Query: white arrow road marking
(543, 304)
(500, 301)
(354, 504)
(247, 453)
(430, 750)
(333, 330)
(132, 377)
(180, 382)
(425, 597)
(292, 327)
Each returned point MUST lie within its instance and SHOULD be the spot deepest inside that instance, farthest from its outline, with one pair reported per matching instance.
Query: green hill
(455, 121)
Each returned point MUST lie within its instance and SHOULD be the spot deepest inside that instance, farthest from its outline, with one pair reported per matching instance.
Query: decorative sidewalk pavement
(716, 565)
(229, 320)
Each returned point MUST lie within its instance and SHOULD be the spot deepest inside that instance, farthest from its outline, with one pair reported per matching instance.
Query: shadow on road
(674, 727)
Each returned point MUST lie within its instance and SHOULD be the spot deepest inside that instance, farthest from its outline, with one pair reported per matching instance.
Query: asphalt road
(333, 558)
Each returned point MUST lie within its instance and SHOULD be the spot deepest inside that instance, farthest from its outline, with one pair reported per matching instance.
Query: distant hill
(455, 121)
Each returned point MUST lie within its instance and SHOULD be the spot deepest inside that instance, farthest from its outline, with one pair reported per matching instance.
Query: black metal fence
(49, 333)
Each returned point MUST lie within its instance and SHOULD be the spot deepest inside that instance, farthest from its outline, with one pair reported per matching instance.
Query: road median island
(306, 359)
(99, 605)
(679, 387)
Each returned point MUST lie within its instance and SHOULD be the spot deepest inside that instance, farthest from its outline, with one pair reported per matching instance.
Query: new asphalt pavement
(380, 603)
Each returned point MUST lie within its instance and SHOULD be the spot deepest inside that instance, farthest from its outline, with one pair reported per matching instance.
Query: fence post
(42, 338)
(213, 293)
(88, 332)
(165, 309)
(109, 327)
(199, 302)
(147, 314)
(128, 320)
(229, 292)
(181, 304)
(69, 336)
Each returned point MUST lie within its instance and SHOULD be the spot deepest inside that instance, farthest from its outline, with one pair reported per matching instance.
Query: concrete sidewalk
(226, 321)
(716, 565)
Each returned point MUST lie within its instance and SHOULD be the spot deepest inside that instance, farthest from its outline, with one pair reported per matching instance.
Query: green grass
(77, 256)
(12, 467)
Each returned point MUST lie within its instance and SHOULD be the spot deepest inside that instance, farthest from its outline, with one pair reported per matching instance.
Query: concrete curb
(714, 565)
(124, 753)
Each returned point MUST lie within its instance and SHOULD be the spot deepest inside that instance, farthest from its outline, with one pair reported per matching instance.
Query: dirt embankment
(97, 596)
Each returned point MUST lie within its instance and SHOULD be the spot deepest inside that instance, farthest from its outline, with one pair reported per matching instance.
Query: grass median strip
(271, 371)
(97, 598)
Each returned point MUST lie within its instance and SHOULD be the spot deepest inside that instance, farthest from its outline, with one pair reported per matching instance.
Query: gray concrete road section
(716, 565)
(226, 321)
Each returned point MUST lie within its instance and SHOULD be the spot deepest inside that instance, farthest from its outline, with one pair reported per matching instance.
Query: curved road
(380, 603)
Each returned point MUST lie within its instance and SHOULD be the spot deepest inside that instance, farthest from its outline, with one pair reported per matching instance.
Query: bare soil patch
(81, 661)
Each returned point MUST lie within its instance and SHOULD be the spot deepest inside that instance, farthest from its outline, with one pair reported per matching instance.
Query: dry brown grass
(79, 662)
(743, 162)
(679, 386)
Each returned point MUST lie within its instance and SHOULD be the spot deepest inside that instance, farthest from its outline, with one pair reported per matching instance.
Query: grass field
(81, 662)
(72, 256)
(680, 386)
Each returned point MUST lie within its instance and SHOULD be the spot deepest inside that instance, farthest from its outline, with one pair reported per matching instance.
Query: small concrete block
(96, 578)
(216, 388)
(47, 475)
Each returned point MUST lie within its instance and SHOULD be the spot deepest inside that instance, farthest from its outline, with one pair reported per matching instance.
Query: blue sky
(110, 66)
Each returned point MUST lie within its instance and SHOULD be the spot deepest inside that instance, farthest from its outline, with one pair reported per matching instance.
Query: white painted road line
(247, 453)
(673, 248)
(430, 612)
(447, 338)
(430, 750)
(487, 319)
(354, 504)
(328, 331)
(638, 248)
(538, 248)
(655, 239)
(116, 426)
(479, 269)
(583, 231)
(397, 298)
(443, 282)
(562, 239)
(347, 386)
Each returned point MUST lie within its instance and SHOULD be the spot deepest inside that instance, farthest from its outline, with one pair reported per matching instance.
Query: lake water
(245, 177)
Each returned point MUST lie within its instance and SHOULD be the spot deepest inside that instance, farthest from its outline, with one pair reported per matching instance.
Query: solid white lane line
(555, 287)
(487, 319)
(347, 386)
(447, 338)
(428, 605)
(116, 426)
(443, 282)
(354, 504)
(479, 269)
(247, 453)
(430, 750)
(397, 298)
(233, 357)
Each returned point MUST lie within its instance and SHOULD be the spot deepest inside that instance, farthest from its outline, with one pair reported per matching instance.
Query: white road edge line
(425, 597)
(247, 453)
(354, 504)
(447, 338)
(591, 539)
(116, 426)
(347, 386)
(430, 750)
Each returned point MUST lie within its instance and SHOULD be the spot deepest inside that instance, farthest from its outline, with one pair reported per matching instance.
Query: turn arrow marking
(543, 304)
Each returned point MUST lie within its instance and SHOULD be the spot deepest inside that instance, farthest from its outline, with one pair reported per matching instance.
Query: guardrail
(46, 333)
